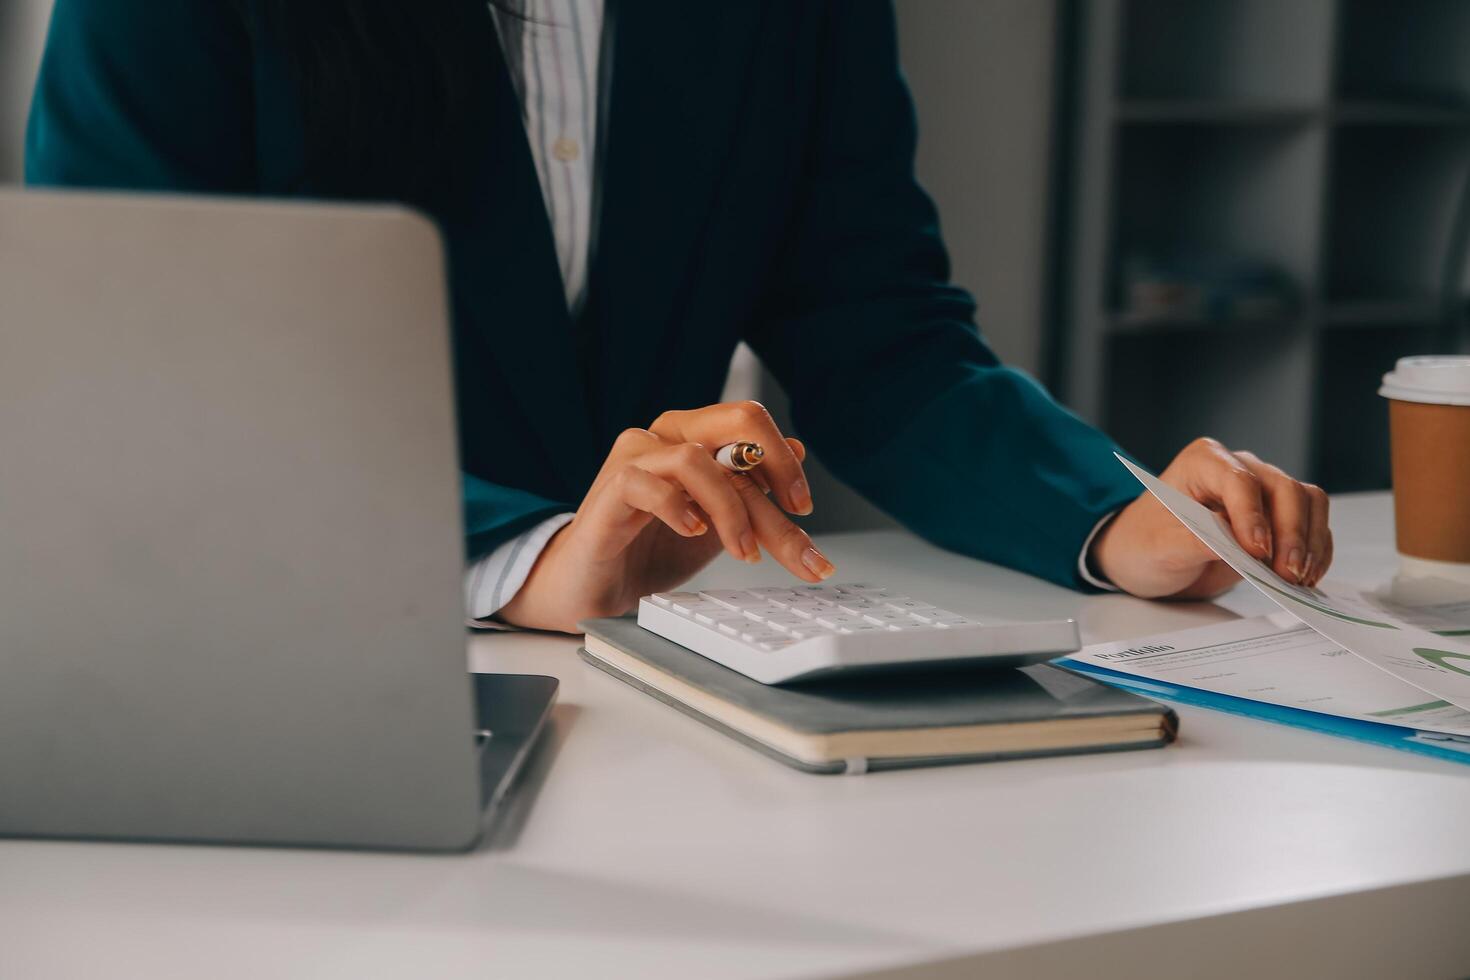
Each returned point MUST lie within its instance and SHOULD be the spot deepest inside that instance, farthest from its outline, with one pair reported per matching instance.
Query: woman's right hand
(661, 509)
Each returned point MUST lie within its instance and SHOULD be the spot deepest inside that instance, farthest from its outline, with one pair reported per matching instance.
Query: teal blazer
(771, 198)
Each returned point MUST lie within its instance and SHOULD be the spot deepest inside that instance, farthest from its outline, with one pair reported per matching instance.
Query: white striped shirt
(553, 49)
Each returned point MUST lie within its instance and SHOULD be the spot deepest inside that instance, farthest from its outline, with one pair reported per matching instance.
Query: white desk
(646, 845)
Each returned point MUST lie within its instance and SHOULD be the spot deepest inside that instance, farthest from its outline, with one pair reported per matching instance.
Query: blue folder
(1453, 748)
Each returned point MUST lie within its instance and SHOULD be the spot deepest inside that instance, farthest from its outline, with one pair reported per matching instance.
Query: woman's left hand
(1148, 552)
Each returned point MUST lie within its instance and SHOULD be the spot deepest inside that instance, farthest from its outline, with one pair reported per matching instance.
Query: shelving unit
(1324, 141)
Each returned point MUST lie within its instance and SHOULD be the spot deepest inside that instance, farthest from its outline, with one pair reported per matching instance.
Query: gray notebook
(885, 721)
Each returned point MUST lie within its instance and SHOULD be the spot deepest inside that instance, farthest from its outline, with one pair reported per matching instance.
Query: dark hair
(381, 86)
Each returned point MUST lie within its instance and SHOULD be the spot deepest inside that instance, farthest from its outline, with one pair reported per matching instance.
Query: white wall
(22, 29)
(981, 74)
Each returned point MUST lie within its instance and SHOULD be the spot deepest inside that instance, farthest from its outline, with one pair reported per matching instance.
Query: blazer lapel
(510, 284)
(677, 76)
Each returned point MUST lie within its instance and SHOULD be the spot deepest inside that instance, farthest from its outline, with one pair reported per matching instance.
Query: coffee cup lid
(1432, 380)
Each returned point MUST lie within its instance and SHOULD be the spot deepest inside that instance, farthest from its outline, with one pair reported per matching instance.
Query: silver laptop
(230, 532)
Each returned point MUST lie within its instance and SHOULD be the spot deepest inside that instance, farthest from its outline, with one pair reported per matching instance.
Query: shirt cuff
(491, 582)
(1083, 570)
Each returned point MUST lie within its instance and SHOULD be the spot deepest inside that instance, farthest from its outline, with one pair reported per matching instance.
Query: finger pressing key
(786, 542)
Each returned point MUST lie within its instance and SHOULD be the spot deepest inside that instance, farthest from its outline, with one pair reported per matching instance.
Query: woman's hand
(1145, 550)
(661, 509)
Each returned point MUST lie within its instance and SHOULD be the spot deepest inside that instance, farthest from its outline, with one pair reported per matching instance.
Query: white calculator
(775, 634)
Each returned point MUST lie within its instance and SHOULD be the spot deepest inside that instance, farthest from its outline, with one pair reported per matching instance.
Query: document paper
(1437, 663)
(1279, 660)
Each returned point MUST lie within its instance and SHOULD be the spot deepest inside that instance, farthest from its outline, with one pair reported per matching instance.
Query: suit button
(566, 150)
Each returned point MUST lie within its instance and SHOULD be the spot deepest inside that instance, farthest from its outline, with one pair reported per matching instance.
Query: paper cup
(1429, 423)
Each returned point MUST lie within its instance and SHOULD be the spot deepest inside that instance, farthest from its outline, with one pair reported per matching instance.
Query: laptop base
(510, 713)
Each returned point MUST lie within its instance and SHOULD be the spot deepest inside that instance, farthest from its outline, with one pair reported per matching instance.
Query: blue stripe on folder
(1372, 732)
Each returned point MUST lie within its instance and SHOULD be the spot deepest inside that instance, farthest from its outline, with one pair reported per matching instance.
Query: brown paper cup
(1431, 479)
(1429, 422)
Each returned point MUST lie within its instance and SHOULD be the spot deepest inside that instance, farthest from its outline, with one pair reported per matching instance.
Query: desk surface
(644, 844)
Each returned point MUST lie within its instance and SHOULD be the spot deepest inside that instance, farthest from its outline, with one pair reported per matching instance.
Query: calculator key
(772, 591)
(759, 635)
(860, 606)
(863, 587)
(949, 618)
(906, 604)
(884, 615)
(821, 591)
(807, 627)
(704, 617)
(841, 620)
(732, 598)
(729, 628)
(660, 599)
(785, 629)
(780, 644)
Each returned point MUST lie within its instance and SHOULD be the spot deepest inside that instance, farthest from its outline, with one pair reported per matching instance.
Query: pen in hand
(740, 457)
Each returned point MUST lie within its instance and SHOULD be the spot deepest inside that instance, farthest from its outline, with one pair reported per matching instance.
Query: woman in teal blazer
(755, 182)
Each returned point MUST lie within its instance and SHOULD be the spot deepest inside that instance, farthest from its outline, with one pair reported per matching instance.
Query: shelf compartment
(1375, 315)
(1256, 50)
(1221, 112)
(1393, 200)
(1386, 112)
(1243, 388)
(1408, 51)
(1129, 324)
(1218, 192)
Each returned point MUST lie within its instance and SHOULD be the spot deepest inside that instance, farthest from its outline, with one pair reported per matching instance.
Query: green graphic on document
(1324, 610)
(1442, 658)
(1412, 709)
